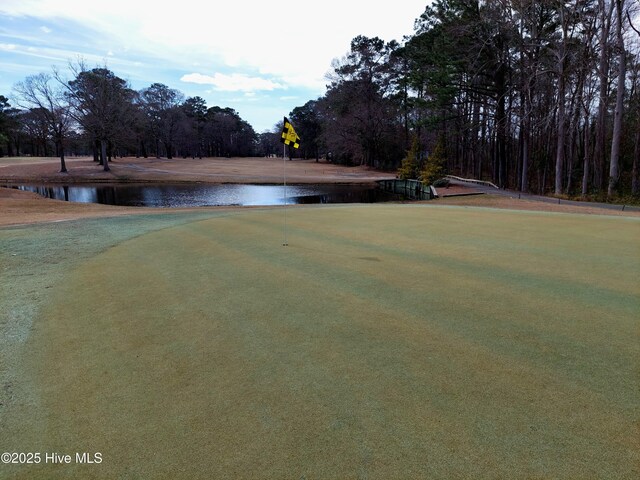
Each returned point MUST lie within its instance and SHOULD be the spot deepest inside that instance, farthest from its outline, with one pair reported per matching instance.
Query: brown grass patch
(504, 202)
(207, 170)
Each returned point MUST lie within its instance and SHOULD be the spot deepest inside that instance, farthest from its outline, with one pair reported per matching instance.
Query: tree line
(96, 112)
(539, 96)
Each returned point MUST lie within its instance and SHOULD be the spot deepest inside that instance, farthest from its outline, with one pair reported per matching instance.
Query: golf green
(386, 341)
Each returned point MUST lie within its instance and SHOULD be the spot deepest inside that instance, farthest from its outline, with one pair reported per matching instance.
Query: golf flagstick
(284, 176)
(291, 138)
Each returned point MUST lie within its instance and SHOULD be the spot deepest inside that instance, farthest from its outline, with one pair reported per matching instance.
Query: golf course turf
(386, 341)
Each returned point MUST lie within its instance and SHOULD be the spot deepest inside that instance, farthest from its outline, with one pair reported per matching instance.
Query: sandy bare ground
(206, 170)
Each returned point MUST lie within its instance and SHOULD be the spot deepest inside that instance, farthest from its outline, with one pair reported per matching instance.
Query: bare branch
(631, 23)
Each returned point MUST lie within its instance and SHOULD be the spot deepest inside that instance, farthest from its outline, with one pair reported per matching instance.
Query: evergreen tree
(409, 167)
(434, 165)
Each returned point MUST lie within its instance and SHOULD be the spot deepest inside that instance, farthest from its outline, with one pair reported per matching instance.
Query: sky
(259, 57)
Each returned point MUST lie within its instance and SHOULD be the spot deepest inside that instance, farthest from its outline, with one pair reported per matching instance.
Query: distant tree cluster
(540, 96)
(96, 112)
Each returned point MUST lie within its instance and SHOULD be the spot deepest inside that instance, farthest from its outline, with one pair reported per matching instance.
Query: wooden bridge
(413, 189)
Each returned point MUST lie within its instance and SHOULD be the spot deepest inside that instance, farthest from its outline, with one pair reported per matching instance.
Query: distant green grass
(386, 341)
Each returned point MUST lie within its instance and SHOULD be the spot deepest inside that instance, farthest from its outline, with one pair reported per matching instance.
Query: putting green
(386, 341)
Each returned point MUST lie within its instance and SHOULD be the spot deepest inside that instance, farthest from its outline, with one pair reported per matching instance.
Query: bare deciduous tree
(101, 102)
(614, 171)
(40, 92)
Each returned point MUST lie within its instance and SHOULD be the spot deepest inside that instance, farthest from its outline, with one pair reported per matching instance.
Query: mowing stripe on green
(385, 342)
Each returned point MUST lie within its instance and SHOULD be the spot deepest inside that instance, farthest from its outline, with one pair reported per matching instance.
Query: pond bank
(263, 171)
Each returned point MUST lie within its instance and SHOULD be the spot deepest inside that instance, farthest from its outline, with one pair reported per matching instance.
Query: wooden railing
(413, 189)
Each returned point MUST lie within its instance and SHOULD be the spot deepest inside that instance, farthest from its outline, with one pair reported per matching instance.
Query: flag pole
(284, 176)
(288, 136)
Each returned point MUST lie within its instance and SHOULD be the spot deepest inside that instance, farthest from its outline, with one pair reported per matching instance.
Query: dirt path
(512, 194)
(514, 203)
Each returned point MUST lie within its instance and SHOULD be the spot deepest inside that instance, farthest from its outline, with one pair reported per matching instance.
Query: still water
(189, 195)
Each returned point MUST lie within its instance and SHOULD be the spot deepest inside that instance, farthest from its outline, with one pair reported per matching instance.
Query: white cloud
(236, 82)
(45, 29)
(277, 54)
(243, 34)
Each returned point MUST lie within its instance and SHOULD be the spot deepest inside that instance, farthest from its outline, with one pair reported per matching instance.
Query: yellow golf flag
(289, 135)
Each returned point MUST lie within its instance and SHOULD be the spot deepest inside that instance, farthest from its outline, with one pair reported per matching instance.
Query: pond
(197, 195)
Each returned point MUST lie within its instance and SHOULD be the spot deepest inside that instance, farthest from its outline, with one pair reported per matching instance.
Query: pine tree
(433, 168)
(409, 167)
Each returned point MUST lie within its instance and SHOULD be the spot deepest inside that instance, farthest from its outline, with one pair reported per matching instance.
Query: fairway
(386, 341)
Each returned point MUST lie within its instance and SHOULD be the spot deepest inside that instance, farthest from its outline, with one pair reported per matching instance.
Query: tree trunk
(501, 128)
(475, 155)
(635, 184)
(560, 146)
(574, 132)
(614, 170)
(561, 135)
(60, 147)
(585, 171)
(524, 185)
(603, 78)
(103, 148)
